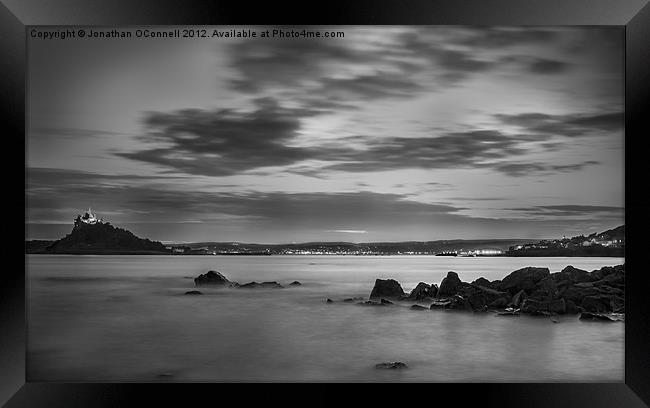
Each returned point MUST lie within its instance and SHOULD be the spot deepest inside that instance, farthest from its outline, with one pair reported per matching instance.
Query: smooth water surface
(126, 318)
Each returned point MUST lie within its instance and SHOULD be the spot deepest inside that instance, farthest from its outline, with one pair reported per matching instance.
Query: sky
(387, 134)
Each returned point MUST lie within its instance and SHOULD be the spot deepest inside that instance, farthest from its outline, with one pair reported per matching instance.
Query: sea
(127, 319)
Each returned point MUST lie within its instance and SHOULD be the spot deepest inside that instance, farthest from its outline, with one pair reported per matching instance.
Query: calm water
(125, 318)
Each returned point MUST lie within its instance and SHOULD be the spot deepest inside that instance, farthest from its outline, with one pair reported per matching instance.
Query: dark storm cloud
(572, 125)
(450, 150)
(227, 142)
(302, 66)
(223, 142)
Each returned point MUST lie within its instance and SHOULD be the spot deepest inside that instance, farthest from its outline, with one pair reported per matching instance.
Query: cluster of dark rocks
(596, 295)
(217, 279)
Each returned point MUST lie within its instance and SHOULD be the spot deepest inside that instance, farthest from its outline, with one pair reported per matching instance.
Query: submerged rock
(263, 285)
(212, 278)
(383, 302)
(353, 299)
(193, 292)
(329, 300)
(295, 283)
(391, 365)
(386, 288)
(418, 307)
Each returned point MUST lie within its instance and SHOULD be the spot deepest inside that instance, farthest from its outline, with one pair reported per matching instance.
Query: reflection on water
(126, 318)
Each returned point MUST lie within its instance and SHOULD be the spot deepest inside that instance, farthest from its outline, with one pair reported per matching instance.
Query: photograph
(376, 203)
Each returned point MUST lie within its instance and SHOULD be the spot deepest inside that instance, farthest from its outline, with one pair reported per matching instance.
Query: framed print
(377, 194)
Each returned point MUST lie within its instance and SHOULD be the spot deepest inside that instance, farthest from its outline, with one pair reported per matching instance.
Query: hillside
(98, 238)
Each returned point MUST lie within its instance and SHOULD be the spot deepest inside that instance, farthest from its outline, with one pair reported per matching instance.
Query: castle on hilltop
(88, 218)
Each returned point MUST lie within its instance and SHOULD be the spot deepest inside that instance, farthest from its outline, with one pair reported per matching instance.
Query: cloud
(523, 169)
(227, 142)
(499, 37)
(571, 125)
(573, 211)
(536, 65)
(223, 142)
(348, 231)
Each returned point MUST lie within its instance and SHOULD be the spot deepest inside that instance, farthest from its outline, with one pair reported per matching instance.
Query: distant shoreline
(342, 254)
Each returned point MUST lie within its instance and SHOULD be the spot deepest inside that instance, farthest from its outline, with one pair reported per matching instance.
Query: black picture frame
(633, 14)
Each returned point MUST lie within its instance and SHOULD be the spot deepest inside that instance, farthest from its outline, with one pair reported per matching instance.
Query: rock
(598, 304)
(329, 300)
(386, 302)
(212, 278)
(510, 311)
(391, 365)
(479, 297)
(423, 291)
(571, 307)
(538, 307)
(571, 274)
(418, 307)
(193, 292)
(482, 282)
(499, 303)
(605, 317)
(618, 270)
(546, 289)
(518, 298)
(450, 285)
(354, 299)
(372, 303)
(523, 279)
(456, 302)
(295, 283)
(477, 301)
(386, 288)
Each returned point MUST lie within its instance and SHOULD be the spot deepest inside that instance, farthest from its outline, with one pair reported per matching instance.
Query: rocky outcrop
(391, 365)
(212, 278)
(295, 283)
(418, 307)
(386, 288)
(527, 290)
(193, 292)
(103, 238)
(450, 285)
(423, 291)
